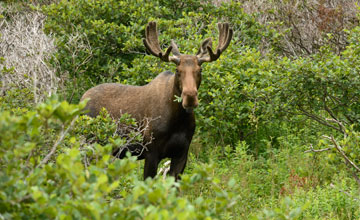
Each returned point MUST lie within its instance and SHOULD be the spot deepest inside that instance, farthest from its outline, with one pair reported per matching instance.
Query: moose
(171, 131)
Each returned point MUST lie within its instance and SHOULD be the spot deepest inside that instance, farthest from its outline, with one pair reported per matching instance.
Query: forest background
(277, 135)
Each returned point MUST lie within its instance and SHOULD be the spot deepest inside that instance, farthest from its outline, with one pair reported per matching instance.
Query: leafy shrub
(260, 93)
(114, 31)
(259, 113)
(45, 174)
(284, 183)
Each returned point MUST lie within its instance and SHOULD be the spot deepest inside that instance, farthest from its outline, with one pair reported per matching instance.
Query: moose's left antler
(206, 54)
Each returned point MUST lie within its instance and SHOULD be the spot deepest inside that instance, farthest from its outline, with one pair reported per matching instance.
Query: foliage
(286, 211)
(248, 92)
(285, 183)
(62, 185)
(321, 88)
(114, 30)
(274, 126)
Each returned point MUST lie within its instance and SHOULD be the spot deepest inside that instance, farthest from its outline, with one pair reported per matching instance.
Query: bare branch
(164, 169)
(78, 43)
(131, 133)
(326, 107)
(316, 151)
(27, 49)
(316, 118)
(306, 23)
(57, 143)
(342, 127)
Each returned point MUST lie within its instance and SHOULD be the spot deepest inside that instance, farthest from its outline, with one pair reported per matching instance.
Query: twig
(164, 169)
(316, 151)
(342, 127)
(57, 143)
(130, 133)
(331, 113)
(26, 48)
(320, 120)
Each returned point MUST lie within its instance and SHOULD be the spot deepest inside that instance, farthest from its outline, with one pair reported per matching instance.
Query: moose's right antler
(151, 42)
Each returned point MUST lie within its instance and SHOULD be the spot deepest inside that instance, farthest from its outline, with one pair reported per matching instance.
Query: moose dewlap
(172, 123)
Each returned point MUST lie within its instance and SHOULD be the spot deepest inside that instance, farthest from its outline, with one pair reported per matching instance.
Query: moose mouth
(190, 104)
(189, 109)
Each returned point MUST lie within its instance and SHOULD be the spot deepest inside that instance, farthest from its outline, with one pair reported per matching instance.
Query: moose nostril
(190, 99)
(190, 93)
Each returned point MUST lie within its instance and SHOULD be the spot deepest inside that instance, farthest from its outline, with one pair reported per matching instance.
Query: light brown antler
(151, 42)
(206, 54)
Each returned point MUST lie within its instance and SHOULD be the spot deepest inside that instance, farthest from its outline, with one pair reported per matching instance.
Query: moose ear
(175, 49)
(203, 48)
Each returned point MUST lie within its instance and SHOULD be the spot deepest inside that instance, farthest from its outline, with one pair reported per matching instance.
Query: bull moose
(174, 125)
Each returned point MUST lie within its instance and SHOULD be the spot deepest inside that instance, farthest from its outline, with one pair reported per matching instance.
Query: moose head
(188, 67)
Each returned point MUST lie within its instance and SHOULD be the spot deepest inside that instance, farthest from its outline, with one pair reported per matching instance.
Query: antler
(151, 42)
(206, 54)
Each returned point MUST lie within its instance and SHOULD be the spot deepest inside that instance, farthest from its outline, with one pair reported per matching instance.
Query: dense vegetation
(278, 133)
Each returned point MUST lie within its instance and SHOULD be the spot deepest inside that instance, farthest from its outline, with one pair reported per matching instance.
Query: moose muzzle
(189, 99)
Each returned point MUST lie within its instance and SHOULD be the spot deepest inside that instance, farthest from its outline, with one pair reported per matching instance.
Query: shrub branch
(57, 143)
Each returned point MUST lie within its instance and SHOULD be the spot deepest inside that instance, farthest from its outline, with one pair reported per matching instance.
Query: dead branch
(131, 134)
(316, 151)
(164, 169)
(342, 127)
(331, 113)
(78, 43)
(27, 49)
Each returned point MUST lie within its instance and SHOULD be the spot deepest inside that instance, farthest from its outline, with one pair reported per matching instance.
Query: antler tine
(225, 36)
(151, 42)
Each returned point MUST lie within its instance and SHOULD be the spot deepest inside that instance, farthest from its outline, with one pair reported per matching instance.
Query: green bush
(259, 116)
(46, 172)
(114, 32)
(249, 97)
(320, 87)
